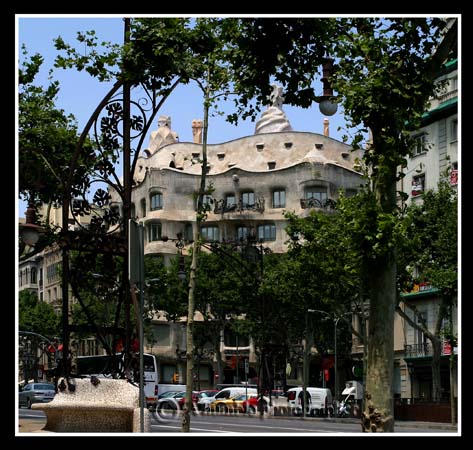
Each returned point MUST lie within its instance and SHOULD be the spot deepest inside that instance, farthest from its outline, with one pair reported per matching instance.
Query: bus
(107, 367)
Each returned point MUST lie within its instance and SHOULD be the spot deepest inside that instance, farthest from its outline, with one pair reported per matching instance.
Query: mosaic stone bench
(109, 406)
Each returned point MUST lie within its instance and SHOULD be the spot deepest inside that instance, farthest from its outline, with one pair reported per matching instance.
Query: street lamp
(29, 231)
(335, 322)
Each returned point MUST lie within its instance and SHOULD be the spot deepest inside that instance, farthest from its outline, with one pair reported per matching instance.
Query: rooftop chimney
(197, 125)
(326, 130)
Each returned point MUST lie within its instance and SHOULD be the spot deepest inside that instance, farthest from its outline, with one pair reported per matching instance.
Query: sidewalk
(32, 425)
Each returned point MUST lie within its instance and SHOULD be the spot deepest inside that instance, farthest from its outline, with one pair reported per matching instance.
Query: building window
(271, 165)
(279, 199)
(419, 146)
(454, 131)
(155, 230)
(420, 338)
(233, 339)
(267, 232)
(210, 234)
(143, 207)
(454, 83)
(188, 234)
(316, 195)
(156, 201)
(230, 201)
(33, 275)
(243, 233)
(418, 185)
(41, 276)
(248, 199)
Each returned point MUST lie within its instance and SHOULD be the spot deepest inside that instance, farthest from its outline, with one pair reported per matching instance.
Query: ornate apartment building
(253, 180)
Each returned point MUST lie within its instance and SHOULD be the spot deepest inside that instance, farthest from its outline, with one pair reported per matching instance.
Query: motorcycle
(343, 409)
(348, 409)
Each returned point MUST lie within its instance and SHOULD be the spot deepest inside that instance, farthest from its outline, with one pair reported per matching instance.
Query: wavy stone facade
(253, 180)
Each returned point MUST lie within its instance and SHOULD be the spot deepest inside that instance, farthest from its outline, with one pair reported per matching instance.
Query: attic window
(259, 146)
(271, 165)
(288, 145)
(220, 156)
(345, 155)
(319, 146)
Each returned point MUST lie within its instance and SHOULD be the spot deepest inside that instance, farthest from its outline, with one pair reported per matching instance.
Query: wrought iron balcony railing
(222, 207)
(418, 350)
(316, 203)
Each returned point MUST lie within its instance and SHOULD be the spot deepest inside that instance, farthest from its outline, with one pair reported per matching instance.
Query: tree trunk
(378, 405)
(378, 414)
(185, 426)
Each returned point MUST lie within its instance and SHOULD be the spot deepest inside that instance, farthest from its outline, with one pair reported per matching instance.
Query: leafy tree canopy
(37, 317)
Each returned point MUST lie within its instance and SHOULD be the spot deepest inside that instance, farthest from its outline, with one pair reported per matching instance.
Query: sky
(80, 93)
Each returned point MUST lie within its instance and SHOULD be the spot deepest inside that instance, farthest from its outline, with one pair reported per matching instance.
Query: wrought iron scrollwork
(221, 206)
(307, 203)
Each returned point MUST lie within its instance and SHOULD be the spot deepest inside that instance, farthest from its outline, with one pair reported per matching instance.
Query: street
(240, 424)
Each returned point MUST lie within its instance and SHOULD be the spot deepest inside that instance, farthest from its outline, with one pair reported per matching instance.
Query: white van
(204, 403)
(319, 401)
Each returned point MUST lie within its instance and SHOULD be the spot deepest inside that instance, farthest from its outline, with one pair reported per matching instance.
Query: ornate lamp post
(327, 105)
(335, 320)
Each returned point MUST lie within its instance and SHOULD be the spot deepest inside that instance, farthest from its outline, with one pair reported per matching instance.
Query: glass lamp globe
(29, 234)
(327, 107)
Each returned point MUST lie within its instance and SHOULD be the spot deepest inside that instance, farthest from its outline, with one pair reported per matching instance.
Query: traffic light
(175, 378)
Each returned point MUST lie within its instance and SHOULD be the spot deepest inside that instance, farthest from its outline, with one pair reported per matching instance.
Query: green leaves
(37, 317)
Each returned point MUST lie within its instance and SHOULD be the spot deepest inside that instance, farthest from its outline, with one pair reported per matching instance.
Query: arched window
(156, 201)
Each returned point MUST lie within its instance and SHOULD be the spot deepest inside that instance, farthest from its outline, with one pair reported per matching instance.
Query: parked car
(36, 393)
(229, 405)
(204, 402)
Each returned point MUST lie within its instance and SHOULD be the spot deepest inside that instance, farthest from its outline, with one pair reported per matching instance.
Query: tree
(384, 76)
(46, 138)
(430, 255)
(36, 316)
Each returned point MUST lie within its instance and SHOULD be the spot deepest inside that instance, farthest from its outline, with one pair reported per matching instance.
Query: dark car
(36, 393)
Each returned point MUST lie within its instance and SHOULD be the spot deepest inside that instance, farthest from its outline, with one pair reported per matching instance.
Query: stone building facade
(252, 181)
